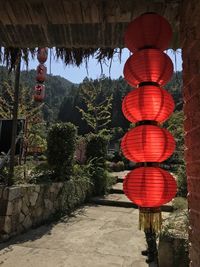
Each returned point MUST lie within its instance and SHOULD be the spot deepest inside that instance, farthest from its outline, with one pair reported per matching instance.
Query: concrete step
(120, 200)
(108, 202)
(120, 180)
(120, 175)
(117, 189)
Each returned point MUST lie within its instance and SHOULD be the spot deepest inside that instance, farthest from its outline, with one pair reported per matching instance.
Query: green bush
(180, 203)
(97, 148)
(100, 178)
(115, 166)
(61, 143)
(96, 152)
(78, 188)
(119, 166)
(181, 180)
(111, 180)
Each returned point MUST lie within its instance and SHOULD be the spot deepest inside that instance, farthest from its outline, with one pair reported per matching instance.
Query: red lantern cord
(148, 143)
(148, 103)
(148, 65)
(149, 186)
(148, 31)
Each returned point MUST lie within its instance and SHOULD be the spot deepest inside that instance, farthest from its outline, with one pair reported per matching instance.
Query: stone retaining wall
(26, 206)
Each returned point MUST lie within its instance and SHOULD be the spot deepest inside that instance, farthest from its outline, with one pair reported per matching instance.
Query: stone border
(30, 205)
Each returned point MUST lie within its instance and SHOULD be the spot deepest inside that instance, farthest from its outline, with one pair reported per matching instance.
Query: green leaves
(98, 107)
(61, 143)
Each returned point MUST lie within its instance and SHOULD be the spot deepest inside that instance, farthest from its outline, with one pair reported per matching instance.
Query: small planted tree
(61, 143)
(98, 107)
(97, 115)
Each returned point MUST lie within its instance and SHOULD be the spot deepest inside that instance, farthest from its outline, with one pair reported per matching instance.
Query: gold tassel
(150, 219)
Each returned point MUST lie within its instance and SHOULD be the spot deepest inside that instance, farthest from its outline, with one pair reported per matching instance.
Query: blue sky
(77, 74)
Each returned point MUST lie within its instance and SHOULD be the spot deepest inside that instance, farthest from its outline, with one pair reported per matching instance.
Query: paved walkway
(100, 236)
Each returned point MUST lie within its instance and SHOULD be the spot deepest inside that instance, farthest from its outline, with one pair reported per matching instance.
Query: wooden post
(14, 124)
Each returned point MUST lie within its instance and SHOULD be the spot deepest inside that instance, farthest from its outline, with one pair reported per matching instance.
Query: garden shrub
(180, 203)
(96, 152)
(61, 141)
(97, 147)
(77, 189)
(119, 166)
(115, 166)
(117, 157)
(181, 180)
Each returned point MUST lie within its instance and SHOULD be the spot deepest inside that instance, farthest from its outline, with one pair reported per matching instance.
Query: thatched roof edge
(69, 56)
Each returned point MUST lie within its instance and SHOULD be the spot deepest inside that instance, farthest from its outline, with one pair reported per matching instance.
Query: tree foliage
(56, 89)
(176, 161)
(98, 108)
(102, 97)
(61, 143)
(27, 108)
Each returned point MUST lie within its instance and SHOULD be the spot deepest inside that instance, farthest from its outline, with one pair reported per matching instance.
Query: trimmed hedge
(96, 151)
(61, 142)
(96, 147)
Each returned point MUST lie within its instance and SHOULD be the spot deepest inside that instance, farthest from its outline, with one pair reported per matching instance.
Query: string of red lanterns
(147, 69)
(39, 89)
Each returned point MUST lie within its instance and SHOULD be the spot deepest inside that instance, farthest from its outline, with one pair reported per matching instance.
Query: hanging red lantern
(149, 186)
(147, 143)
(42, 54)
(148, 31)
(39, 92)
(41, 73)
(148, 69)
(148, 66)
(148, 103)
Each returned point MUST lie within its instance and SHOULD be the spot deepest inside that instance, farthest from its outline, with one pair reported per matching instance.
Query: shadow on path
(38, 232)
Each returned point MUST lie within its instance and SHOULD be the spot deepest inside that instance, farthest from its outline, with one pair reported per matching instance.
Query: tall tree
(98, 107)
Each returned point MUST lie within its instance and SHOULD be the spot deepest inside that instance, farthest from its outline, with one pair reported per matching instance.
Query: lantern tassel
(150, 219)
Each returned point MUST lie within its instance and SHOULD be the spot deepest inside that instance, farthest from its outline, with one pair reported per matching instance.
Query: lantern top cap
(149, 30)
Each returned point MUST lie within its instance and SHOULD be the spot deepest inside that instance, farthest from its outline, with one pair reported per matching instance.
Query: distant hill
(62, 96)
(57, 88)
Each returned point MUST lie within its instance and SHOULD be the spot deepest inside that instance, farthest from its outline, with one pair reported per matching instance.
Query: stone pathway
(96, 236)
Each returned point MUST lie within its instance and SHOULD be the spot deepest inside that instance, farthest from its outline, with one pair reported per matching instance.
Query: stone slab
(94, 236)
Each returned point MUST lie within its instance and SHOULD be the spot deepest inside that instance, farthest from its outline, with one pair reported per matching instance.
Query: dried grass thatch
(74, 56)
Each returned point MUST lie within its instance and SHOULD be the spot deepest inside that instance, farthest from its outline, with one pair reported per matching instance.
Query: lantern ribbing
(147, 69)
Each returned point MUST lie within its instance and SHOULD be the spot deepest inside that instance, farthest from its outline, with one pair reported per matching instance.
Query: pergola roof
(75, 25)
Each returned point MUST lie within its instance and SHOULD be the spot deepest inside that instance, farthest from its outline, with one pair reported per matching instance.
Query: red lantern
(148, 31)
(39, 92)
(41, 73)
(148, 65)
(147, 143)
(42, 54)
(148, 103)
(149, 186)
